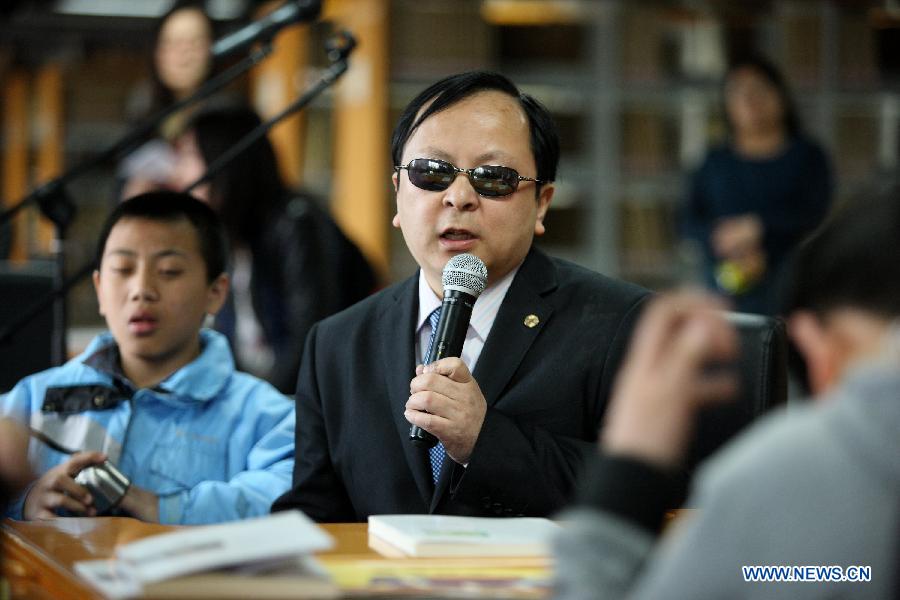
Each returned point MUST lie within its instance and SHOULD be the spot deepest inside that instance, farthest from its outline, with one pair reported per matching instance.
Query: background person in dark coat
(292, 265)
(755, 197)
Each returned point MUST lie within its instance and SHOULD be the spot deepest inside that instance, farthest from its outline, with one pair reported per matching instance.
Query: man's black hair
(768, 71)
(851, 261)
(171, 207)
(455, 88)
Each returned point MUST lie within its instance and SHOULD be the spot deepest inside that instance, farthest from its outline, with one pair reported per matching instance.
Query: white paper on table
(112, 577)
(203, 548)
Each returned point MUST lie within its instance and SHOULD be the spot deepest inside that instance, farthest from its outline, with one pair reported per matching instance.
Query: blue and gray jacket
(213, 443)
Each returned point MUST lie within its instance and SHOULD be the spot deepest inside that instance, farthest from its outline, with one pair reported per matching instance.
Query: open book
(264, 557)
(437, 536)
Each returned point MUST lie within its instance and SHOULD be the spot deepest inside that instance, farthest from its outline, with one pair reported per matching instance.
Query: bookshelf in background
(634, 87)
(642, 80)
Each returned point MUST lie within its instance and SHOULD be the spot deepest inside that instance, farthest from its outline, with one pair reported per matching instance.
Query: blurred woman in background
(181, 63)
(758, 194)
(292, 265)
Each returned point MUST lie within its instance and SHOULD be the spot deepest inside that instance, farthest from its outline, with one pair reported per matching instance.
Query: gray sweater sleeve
(605, 552)
(599, 555)
(610, 535)
(816, 486)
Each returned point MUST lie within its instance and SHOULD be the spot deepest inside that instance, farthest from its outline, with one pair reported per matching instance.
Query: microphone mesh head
(466, 273)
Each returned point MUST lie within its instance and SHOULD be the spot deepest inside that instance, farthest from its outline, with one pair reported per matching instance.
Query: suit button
(486, 502)
(498, 508)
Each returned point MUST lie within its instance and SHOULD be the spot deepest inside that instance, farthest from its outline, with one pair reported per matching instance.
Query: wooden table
(38, 559)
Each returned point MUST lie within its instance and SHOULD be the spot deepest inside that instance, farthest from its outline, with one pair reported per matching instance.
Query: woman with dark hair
(182, 58)
(758, 194)
(181, 63)
(292, 265)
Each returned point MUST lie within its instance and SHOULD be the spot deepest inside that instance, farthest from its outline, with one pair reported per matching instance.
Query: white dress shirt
(483, 314)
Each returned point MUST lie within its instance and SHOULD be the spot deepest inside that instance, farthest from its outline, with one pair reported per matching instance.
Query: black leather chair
(763, 384)
(28, 350)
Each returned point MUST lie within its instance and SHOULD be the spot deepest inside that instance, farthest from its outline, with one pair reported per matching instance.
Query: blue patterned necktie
(435, 453)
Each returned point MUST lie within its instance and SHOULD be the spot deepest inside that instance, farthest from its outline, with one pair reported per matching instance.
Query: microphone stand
(48, 193)
(55, 203)
(339, 49)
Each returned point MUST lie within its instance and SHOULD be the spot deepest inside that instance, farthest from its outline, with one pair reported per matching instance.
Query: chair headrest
(762, 369)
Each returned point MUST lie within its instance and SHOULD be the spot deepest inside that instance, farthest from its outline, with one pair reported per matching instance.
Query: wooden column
(360, 194)
(275, 85)
(15, 157)
(49, 139)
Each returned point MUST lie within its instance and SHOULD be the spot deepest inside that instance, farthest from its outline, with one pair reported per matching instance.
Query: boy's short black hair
(851, 261)
(170, 207)
(455, 88)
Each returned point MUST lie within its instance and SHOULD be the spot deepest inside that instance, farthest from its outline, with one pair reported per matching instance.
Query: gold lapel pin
(531, 321)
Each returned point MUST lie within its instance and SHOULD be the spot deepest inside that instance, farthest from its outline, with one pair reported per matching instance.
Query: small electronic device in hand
(106, 484)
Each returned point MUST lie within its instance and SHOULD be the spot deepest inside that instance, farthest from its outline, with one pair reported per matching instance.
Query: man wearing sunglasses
(516, 416)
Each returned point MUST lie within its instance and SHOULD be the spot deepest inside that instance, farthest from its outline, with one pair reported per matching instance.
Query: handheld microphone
(265, 29)
(464, 278)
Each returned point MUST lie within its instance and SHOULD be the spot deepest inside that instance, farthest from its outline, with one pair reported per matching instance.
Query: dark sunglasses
(436, 175)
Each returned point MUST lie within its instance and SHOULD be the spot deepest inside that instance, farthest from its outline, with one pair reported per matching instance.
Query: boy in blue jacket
(157, 396)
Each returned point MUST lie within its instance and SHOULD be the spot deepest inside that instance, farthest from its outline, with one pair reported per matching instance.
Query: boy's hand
(56, 489)
(141, 504)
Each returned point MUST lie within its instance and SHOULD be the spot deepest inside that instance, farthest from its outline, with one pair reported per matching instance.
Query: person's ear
(216, 294)
(96, 279)
(396, 181)
(543, 200)
(818, 349)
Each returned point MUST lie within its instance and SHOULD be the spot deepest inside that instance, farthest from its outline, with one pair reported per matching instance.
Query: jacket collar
(201, 380)
(397, 327)
(523, 314)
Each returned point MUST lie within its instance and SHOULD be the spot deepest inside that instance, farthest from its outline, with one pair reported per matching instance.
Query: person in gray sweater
(813, 492)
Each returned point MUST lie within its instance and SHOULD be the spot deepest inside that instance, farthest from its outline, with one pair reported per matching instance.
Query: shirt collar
(488, 301)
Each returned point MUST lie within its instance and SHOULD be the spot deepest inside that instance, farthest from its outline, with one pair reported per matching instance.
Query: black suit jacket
(546, 389)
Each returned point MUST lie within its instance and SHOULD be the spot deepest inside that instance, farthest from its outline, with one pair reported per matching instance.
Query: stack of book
(442, 536)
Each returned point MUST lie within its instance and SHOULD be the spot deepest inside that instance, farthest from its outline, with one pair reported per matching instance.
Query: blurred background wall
(634, 86)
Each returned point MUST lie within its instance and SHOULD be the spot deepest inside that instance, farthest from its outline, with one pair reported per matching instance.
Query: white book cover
(252, 542)
(214, 546)
(111, 577)
(439, 535)
(292, 578)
